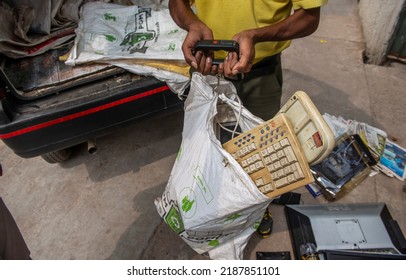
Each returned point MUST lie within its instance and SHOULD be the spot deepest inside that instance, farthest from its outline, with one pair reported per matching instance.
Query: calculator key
(281, 182)
(290, 154)
(259, 182)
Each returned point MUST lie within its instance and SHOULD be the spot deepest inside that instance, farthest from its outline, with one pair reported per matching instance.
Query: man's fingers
(207, 66)
(229, 63)
(244, 65)
(199, 62)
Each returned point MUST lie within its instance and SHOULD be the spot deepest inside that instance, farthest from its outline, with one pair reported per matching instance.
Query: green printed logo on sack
(135, 41)
(214, 243)
(174, 220)
(171, 47)
(203, 186)
(187, 204)
(179, 153)
(110, 38)
(109, 16)
(173, 32)
(255, 226)
(232, 218)
(188, 200)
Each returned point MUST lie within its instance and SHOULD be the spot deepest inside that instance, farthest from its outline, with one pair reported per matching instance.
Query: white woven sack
(110, 32)
(209, 200)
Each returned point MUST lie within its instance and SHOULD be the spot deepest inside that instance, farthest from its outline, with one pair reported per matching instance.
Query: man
(12, 244)
(263, 29)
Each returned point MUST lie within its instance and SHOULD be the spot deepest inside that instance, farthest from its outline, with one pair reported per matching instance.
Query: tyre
(57, 156)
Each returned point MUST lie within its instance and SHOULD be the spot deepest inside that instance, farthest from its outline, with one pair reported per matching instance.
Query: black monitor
(330, 230)
(358, 255)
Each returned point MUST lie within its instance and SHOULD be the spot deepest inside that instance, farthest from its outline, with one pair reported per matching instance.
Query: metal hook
(219, 76)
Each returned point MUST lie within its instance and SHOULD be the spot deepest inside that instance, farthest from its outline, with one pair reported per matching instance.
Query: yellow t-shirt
(228, 17)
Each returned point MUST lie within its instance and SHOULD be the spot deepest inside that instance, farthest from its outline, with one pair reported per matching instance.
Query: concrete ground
(102, 206)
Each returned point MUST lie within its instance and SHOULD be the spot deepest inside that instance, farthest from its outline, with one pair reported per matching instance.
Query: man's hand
(200, 61)
(300, 24)
(234, 63)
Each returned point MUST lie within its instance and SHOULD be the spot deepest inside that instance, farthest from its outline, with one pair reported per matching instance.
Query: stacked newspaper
(391, 157)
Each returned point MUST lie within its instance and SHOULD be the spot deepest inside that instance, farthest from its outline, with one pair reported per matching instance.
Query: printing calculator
(277, 154)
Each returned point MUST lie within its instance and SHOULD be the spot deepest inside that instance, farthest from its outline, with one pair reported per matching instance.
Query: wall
(379, 19)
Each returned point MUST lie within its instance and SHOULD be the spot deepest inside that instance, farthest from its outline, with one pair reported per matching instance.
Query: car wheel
(57, 156)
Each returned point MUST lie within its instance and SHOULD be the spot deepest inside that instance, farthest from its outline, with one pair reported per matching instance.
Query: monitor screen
(355, 227)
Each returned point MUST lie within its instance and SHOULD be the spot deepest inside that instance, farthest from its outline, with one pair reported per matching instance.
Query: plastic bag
(209, 200)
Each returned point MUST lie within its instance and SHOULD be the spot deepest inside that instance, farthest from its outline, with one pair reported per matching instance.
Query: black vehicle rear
(46, 107)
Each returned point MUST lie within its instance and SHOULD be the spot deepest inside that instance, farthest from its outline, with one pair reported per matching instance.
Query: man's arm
(182, 14)
(186, 19)
(300, 24)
